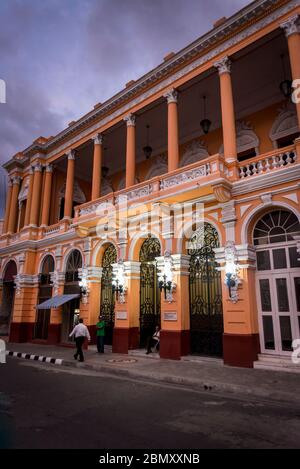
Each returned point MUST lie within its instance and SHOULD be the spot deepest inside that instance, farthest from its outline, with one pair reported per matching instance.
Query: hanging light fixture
(147, 149)
(285, 86)
(205, 123)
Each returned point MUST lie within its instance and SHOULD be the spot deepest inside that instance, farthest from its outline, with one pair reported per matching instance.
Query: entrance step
(276, 363)
(141, 352)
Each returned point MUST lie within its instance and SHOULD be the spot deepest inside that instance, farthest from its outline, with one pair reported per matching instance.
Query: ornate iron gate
(205, 296)
(107, 297)
(149, 291)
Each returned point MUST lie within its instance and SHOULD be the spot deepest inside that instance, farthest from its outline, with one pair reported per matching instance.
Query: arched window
(47, 268)
(276, 227)
(73, 264)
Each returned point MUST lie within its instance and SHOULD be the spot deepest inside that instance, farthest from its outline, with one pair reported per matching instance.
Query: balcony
(185, 183)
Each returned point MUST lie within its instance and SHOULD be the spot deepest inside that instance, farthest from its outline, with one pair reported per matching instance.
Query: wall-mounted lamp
(232, 279)
(118, 282)
(165, 279)
(83, 284)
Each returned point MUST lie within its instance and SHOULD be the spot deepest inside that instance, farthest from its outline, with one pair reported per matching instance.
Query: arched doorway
(206, 314)
(149, 291)
(71, 309)
(8, 297)
(277, 280)
(107, 297)
(45, 293)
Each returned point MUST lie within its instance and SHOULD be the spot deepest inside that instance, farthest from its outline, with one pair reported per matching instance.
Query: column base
(125, 339)
(240, 349)
(174, 344)
(21, 332)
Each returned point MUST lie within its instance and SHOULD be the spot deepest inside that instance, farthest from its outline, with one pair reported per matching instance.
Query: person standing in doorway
(100, 328)
(80, 332)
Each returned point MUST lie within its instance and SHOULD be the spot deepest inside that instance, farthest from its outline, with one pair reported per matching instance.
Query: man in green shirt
(100, 328)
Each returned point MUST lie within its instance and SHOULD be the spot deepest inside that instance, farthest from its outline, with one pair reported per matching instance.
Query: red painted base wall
(240, 350)
(125, 339)
(174, 344)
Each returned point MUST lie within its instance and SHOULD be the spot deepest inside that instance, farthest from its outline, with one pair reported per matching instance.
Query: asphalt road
(52, 407)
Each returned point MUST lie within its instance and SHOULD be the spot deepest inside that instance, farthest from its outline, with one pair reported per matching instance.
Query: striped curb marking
(38, 358)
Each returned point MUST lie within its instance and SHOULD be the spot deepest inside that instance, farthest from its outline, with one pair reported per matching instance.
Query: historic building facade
(213, 129)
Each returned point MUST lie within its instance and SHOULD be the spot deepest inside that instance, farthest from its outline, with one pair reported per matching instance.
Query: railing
(269, 162)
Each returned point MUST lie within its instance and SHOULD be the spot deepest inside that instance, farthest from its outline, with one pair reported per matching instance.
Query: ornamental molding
(187, 176)
(130, 120)
(246, 138)
(98, 139)
(245, 15)
(193, 152)
(16, 180)
(71, 155)
(223, 65)
(286, 123)
(171, 96)
(23, 194)
(291, 26)
(49, 168)
(78, 194)
(135, 194)
(159, 167)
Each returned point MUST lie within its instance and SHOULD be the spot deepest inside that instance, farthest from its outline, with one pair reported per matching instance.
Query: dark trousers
(151, 343)
(100, 343)
(79, 343)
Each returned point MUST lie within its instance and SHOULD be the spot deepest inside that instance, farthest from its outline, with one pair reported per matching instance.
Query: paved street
(42, 406)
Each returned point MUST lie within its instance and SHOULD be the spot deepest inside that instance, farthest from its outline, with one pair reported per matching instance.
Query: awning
(56, 301)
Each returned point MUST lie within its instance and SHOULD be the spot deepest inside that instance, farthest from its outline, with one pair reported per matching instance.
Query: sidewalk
(197, 373)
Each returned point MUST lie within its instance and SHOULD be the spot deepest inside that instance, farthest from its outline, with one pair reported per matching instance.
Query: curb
(39, 358)
(230, 389)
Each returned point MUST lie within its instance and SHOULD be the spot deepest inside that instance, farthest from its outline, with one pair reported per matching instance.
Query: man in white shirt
(80, 332)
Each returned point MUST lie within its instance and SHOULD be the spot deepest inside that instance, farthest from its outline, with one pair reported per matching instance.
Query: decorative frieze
(186, 176)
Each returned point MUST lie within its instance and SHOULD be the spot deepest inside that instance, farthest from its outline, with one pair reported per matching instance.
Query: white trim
(99, 246)
(273, 205)
(135, 239)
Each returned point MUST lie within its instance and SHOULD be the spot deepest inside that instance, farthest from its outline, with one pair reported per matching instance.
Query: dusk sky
(60, 57)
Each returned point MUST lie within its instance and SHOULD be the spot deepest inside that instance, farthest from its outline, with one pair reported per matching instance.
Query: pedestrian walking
(100, 328)
(80, 332)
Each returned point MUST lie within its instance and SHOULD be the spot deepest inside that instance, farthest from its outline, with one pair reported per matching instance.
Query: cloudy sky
(60, 57)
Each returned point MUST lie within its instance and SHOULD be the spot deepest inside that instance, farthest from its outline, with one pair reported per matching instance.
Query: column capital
(130, 120)
(171, 96)
(98, 139)
(49, 168)
(16, 180)
(37, 167)
(9, 183)
(291, 25)
(223, 65)
(71, 155)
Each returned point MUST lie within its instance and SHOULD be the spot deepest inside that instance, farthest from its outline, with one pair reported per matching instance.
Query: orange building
(214, 129)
